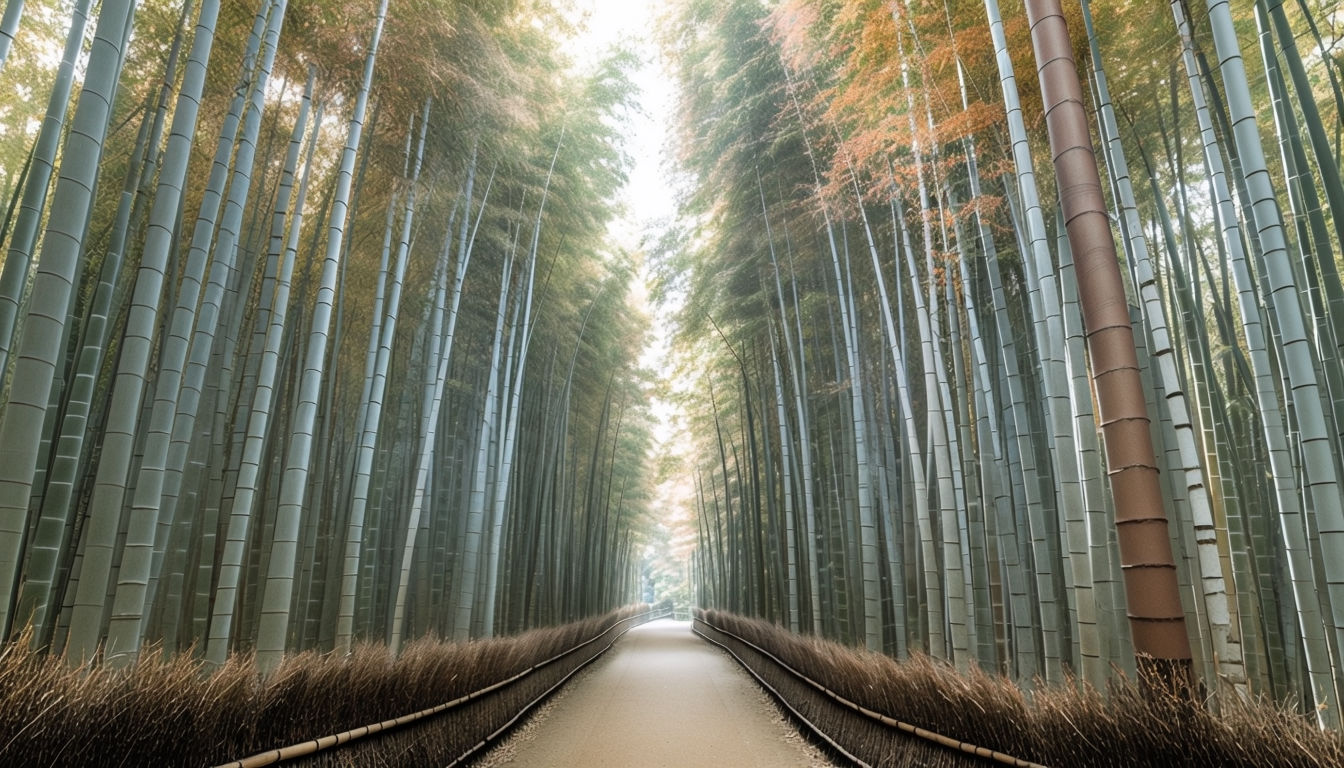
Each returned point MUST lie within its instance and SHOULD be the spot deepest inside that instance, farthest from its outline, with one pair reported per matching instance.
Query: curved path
(661, 697)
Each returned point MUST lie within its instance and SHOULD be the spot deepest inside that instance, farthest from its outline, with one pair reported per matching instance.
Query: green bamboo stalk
(277, 603)
(36, 179)
(9, 27)
(1319, 466)
(124, 632)
(40, 346)
(372, 413)
(1050, 341)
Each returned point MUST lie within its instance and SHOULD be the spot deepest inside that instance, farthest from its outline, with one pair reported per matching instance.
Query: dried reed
(170, 711)
(1070, 725)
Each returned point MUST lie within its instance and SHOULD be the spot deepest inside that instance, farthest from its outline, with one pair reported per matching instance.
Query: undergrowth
(1071, 725)
(173, 711)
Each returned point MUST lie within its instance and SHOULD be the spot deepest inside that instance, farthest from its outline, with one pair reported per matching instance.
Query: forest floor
(661, 697)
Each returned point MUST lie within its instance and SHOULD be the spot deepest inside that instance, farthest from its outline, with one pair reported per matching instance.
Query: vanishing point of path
(660, 697)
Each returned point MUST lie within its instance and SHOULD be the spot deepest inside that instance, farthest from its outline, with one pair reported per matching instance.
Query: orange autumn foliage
(861, 64)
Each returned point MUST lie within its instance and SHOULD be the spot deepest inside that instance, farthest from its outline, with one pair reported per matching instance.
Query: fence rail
(877, 717)
(331, 741)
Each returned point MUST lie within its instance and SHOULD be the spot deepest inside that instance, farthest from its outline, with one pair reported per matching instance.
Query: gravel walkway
(660, 697)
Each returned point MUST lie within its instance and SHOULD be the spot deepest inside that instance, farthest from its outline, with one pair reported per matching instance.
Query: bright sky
(632, 23)
(650, 195)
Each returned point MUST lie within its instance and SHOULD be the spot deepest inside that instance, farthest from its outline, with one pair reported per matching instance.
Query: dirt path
(661, 697)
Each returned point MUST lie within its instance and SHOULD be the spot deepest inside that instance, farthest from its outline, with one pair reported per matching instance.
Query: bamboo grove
(310, 330)
(898, 440)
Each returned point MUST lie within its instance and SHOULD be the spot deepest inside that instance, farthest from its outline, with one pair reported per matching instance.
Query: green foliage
(807, 128)
(505, 102)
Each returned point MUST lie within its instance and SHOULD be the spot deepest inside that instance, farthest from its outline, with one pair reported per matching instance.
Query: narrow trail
(661, 697)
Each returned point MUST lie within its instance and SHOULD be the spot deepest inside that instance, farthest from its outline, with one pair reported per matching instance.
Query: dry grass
(1064, 726)
(173, 711)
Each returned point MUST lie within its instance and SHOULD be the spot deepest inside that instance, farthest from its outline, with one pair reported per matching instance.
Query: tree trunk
(1157, 620)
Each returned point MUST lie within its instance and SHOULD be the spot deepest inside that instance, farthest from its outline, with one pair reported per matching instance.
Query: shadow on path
(661, 697)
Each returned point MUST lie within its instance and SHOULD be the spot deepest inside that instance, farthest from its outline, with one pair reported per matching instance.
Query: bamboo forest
(975, 364)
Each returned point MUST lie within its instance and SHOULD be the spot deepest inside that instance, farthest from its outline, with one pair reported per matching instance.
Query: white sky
(650, 195)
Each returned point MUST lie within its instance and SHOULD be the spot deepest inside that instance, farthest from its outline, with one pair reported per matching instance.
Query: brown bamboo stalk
(1156, 618)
